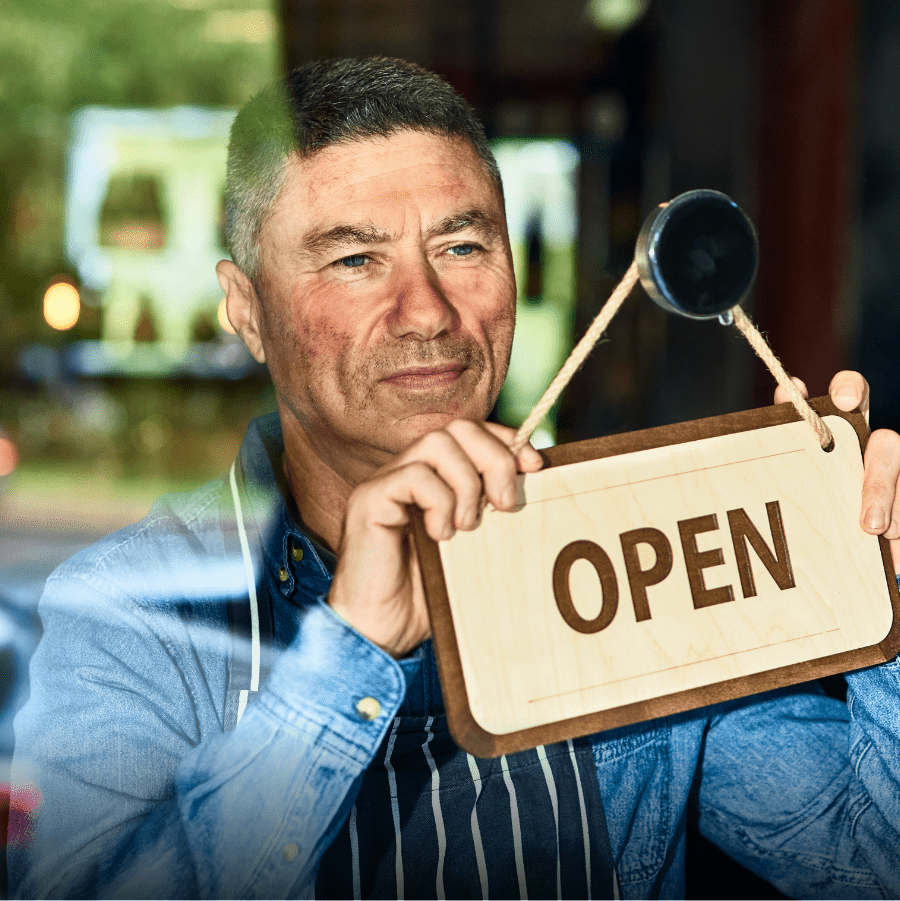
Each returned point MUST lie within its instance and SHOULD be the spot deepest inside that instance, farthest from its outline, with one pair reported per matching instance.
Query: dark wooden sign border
(466, 731)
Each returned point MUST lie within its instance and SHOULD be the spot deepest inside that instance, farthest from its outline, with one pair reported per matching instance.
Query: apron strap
(250, 617)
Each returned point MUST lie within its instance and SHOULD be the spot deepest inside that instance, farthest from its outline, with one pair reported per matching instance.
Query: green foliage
(62, 55)
(59, 55)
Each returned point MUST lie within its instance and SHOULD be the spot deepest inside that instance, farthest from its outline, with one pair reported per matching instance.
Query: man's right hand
(449, 474)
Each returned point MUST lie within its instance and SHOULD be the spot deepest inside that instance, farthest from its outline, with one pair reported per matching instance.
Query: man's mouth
(425, 378)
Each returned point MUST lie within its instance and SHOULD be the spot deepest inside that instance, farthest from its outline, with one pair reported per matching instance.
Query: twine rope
(764, 352)
(576, 358)
(596, 329)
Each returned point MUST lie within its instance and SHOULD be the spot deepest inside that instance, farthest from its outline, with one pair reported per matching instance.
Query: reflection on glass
(539, 180)
(143, 224)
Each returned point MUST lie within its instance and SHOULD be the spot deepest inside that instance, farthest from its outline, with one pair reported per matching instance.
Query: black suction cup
(698, 255)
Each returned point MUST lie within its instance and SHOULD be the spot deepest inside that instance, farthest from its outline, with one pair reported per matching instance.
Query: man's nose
(421, 308)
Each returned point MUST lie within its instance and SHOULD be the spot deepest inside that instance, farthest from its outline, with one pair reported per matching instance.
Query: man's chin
(414, 427)
(410, 429)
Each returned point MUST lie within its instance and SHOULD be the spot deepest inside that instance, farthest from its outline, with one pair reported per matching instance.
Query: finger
(880, 513)
(782, 397)
(527, 459)
(895, 555)
(849, 390)
(892, 533)
(458, 466)
(492, 458)
(381, 503)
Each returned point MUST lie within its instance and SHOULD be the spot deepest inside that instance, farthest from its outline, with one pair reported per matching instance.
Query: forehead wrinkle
(478, 220)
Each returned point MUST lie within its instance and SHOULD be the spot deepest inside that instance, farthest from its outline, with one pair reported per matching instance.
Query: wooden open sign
(658, 571)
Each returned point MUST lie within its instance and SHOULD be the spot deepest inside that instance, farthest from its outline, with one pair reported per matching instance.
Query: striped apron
(432, 821)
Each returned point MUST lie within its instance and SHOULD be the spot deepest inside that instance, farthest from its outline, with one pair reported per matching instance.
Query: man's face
(387, 298)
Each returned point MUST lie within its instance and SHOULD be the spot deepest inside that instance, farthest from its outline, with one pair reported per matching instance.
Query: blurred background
(120, 378)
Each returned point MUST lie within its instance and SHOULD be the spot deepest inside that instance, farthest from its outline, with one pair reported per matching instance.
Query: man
(372, 274)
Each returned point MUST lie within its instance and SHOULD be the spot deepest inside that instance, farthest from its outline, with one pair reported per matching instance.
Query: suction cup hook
(698, 255)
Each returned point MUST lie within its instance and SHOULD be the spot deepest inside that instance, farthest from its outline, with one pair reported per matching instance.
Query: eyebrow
(318, 242)
(363, 233)
(475, 219)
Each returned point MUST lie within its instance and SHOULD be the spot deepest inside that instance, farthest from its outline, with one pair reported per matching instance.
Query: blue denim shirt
(142, 794)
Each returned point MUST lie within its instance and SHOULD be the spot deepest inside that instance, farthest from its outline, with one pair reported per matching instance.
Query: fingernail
(875, 519)
(845, 394)
(509, 497)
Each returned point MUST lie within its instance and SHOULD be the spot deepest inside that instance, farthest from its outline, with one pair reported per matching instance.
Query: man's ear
(241, 306)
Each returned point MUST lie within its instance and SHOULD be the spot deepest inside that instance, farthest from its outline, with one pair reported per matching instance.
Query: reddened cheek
(500, 322)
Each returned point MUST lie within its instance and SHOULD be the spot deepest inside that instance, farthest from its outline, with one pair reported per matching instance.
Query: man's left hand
(880, 512)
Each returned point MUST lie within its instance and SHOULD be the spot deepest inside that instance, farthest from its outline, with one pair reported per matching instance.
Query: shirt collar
(269, 513)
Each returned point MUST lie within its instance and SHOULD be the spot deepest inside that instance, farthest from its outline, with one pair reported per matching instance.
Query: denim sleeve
(136, 791)
(805, 790)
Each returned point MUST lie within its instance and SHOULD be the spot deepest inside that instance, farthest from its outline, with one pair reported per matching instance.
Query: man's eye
(356, 261)
(461, 250)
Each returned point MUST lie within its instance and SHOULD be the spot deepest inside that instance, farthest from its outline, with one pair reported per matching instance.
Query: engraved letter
(778, 563)
(639, 579)
(599, 559)
(696, 561)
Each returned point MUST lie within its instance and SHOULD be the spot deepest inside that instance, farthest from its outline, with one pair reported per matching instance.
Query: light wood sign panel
(659, 571)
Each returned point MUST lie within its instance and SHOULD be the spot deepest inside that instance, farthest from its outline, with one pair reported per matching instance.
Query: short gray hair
(322, 104)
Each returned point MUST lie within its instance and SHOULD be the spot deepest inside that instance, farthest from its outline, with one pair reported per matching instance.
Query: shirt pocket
(635, 774)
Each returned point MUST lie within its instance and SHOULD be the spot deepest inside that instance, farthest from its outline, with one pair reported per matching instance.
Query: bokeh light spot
(616, 16)
(222, 316)
(9, 456)
(62, 306)
(23, 803)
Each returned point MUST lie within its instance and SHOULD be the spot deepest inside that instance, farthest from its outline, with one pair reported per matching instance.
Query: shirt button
(289, 852)
(368, 709)
(283, 574)
(297, 553)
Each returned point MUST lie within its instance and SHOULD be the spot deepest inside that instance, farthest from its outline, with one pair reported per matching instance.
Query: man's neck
(322, 509)
(320, 486)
